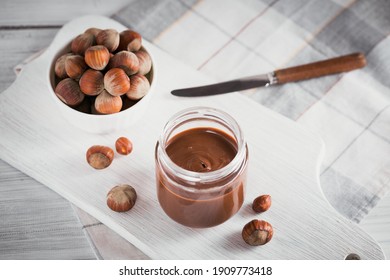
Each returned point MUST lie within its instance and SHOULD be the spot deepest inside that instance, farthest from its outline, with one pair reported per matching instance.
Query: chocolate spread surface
(202, 149)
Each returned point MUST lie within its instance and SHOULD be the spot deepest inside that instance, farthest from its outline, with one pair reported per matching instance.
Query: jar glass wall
(200, 181)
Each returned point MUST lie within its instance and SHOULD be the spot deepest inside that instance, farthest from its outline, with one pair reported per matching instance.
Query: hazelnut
(129, 40)
(82, 42)
(123, 146)
(75, 66)
(68, 91)
(97, 57)
(91, 82)
(93, 30)
(99, 157)
(108, 38)
(93, 109)
(261, 203)
(59, 67)
(105, 103)
(116, 82)
(145, 62)
(257, 232)
(121, 198)
(139, 87)
(126, 60)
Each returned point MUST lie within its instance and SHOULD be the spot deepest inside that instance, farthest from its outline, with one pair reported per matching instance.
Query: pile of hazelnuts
(106, 71)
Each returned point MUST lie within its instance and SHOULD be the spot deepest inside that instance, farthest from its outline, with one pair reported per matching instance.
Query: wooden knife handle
(321, 68)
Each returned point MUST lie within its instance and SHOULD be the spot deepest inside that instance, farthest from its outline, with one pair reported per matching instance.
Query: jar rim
(202, 113)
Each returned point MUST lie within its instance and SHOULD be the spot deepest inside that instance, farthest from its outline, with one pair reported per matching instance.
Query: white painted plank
(284, 162)
(35, 222)
(57, 12)
(17, 45)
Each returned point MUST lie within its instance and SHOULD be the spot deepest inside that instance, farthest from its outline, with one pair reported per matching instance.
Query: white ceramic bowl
(101, 124)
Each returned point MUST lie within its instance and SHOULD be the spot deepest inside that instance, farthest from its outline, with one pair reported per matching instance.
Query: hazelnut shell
(68, 91)
(257, 232)
(145, 62)
(105, 103)
(99, 157)
(108, 38)
(121, 198)
(75, 66)
(130, 41)
(82, 42)
(116, 82)
(125, 60)
(97, 57)
(91, 82)
(123, 146)
(261, 203)
(139, 87)
(93, 30)
(59, 67)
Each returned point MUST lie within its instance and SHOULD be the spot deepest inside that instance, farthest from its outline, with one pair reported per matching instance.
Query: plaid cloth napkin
(228, 39)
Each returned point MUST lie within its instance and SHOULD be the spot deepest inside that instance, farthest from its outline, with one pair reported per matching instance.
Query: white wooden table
(25, 30)
(72, 234)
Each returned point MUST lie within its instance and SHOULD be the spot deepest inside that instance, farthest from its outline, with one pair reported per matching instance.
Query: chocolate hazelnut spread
(201, 162)
(201, 204)
(202, 149)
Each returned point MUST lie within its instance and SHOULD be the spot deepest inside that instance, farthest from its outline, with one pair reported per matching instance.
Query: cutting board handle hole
(352, 256)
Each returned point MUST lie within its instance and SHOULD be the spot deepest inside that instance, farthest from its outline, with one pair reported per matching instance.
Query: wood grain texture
(321, 68)
(107, 243)
(17, 45)
(284, 163)
(37, 223)
(55, 13)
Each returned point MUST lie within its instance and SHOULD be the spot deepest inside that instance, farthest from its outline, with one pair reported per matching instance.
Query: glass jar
(203, 194)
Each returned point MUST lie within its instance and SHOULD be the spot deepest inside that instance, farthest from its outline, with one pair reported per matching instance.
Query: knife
(297, 73)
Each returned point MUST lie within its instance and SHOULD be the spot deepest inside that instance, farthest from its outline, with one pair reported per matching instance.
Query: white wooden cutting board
(284, 162)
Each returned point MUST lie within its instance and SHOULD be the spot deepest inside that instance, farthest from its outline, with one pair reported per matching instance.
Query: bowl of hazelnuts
(102, 79)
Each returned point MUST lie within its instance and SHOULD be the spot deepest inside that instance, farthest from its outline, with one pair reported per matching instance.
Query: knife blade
(292, 74)
(228, 86)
